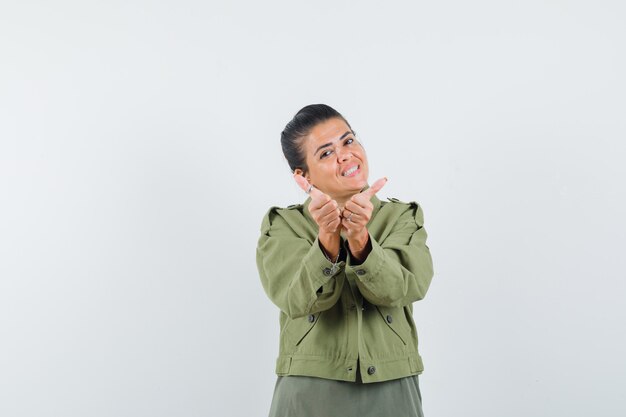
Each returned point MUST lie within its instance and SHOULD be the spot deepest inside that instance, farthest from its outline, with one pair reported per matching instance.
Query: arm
(399, 269)
(359, 251)
(294, 271)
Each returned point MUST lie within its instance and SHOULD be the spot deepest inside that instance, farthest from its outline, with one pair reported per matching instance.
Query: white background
(139, 150)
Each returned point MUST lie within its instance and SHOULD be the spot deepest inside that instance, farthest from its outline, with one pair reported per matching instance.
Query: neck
(342, 199)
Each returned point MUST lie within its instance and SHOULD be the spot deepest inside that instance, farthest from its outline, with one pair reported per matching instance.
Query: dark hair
(292, 137)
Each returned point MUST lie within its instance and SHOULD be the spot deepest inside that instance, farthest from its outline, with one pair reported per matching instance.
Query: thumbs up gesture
(324, 210)
(351, 219)
(357, 212)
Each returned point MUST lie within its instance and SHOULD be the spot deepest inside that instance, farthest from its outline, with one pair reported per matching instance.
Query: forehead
(325, 132)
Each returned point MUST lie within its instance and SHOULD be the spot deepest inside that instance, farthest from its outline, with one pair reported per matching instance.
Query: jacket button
(327, 271)
(389, 318)
(311, 318)
(360, 271)
(371, 370)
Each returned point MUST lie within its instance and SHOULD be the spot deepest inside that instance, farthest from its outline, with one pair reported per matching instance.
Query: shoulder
(404, 211)
(290, 210)
(277, 215)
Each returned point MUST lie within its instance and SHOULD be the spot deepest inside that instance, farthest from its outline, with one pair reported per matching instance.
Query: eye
(348, 141)
(325, 154)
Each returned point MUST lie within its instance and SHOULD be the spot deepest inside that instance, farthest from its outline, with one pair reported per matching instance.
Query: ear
(298, 171)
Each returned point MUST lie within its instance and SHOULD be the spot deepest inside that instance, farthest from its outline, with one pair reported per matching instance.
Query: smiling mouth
(351, 172)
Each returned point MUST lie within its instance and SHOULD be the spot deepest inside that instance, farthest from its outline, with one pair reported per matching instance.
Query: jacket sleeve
(399, 270)
(294, 272)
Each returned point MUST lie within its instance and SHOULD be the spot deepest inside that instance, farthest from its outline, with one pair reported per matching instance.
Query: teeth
(350, 171)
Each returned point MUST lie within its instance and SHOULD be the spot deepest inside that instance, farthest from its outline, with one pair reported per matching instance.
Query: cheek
(321, 172)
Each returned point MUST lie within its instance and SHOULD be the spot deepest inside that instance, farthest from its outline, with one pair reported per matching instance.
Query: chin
(359, 186)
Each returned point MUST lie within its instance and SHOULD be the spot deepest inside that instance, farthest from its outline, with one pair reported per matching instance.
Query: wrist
(359, 243)
(358, 250)
(329, 244)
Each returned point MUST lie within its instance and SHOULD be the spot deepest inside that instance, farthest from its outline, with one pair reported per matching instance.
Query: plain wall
(139, 150)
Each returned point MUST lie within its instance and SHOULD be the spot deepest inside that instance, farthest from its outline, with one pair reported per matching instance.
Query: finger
(348, 225)
(361, 200)
(334, 224)
(329, 211)
(357, 206)
(355, 220)
(350, 218)
(319, 202)
(304, 184)
(345, 214)
(375, 187)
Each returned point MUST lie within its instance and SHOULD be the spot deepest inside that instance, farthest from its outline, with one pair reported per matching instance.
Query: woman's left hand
(356, 214)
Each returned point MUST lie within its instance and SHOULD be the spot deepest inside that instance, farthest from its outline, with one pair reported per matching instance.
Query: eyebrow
(330, 143)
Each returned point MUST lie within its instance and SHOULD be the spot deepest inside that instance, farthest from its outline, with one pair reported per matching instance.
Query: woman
(344, 268)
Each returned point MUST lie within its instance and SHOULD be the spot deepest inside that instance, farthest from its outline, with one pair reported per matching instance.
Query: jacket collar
(375, 201)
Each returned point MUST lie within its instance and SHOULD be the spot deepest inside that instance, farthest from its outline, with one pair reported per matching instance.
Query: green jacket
(329, 318)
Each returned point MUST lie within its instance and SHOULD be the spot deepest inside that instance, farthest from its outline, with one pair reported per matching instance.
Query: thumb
(304, 184)
(378, 184)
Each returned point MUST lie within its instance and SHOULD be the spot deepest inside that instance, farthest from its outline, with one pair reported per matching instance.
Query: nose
(344, 155)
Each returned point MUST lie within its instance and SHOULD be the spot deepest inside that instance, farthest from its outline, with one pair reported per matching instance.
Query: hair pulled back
(298, 128)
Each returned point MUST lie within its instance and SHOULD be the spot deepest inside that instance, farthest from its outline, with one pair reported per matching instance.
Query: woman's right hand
(324, 210)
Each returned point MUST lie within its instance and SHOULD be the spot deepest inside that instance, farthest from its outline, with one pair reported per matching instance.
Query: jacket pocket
(392, 317)
(298, 329)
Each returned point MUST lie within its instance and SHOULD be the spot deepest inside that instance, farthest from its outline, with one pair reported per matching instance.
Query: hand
(356, 213)
(324, 210)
